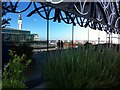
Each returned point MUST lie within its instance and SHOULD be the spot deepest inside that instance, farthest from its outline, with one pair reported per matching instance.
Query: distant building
(17, 36)
(12, 36)
(36, 37)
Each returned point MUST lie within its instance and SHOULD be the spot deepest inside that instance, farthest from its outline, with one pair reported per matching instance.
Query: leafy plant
(13, 76)
(89, 67)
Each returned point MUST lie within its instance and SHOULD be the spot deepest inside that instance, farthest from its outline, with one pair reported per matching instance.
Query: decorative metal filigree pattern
(102, 15)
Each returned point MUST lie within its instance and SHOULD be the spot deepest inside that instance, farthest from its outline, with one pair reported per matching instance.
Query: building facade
(17, 36)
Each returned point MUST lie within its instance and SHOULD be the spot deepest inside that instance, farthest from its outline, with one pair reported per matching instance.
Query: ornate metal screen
(102, 15)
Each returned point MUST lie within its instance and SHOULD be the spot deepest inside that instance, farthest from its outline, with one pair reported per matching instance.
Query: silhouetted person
(58, 44)
(61, 44)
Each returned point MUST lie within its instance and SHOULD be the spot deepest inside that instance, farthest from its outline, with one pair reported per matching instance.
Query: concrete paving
(34, 77)
(42, 86)
(33, 73)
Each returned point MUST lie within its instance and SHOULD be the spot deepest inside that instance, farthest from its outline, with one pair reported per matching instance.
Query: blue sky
(58, 31)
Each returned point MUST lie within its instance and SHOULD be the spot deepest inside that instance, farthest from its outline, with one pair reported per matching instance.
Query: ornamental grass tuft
(84, 67)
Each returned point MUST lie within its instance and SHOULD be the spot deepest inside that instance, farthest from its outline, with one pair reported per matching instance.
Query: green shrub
(83, 68)
(13, 76)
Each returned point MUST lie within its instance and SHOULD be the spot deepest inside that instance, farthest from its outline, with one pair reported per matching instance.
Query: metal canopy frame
(104, 16)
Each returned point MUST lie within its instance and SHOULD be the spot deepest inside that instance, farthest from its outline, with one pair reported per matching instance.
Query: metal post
(111, 40)
(47, 34)
(1, 43)
(47, 31)
(98, 37)
(118, 42)
(72, 34)
(88, 34)
(106, 37)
